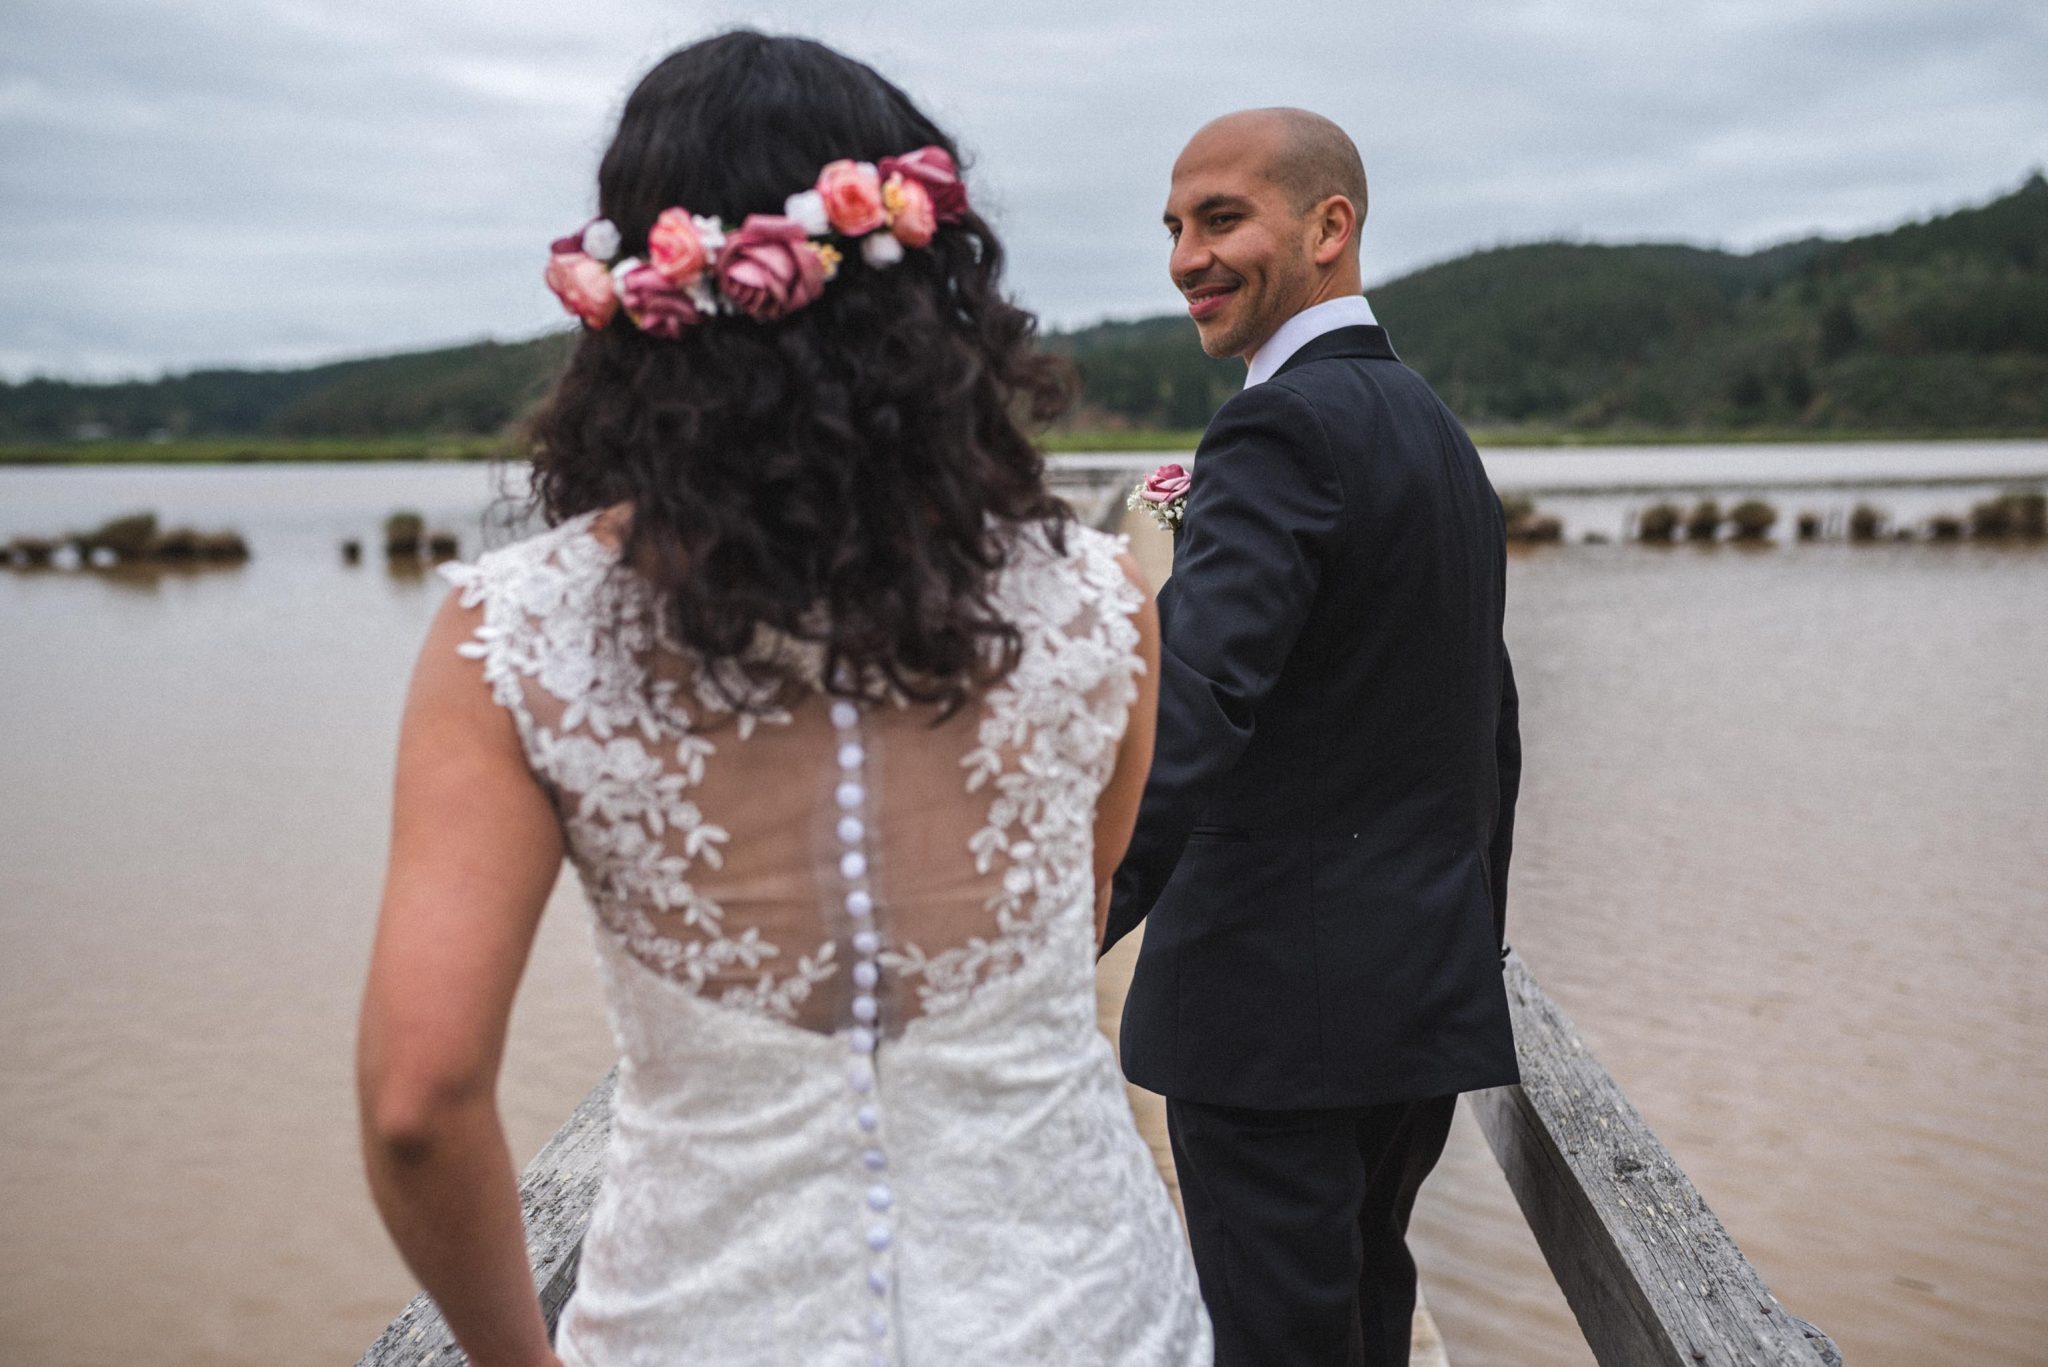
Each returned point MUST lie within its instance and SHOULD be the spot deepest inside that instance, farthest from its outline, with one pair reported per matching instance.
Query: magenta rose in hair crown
(1164, 494)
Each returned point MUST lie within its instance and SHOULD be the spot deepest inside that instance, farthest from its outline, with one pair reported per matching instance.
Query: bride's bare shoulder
(612, 525)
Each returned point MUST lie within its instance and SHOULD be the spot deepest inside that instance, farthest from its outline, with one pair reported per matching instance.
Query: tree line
(1936, 326)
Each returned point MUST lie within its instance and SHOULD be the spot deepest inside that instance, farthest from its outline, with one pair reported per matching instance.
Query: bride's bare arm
(475, 850)
(1116, 811)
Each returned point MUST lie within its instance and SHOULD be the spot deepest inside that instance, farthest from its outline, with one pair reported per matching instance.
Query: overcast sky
(202, 182)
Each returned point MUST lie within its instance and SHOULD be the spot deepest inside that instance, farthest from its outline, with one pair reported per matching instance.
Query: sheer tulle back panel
(743, 857)
(770, 876)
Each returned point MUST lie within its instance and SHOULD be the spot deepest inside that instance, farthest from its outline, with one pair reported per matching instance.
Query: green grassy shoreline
(423, 449)
(250, 450)
(1508, 438)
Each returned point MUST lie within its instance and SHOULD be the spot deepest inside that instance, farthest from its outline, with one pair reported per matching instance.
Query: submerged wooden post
(1652, 1275)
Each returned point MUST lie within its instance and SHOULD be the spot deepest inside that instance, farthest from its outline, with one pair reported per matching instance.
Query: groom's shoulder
(1326, 396)
(1272, 414)
(1343, 378)
(1356, 395)
(1270, 400)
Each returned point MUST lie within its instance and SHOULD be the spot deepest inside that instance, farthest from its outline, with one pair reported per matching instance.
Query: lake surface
(1782, 854)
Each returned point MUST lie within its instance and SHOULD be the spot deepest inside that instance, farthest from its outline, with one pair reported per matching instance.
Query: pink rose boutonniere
(1164, 494)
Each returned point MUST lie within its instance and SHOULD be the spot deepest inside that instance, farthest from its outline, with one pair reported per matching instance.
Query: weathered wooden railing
(1653, 1277)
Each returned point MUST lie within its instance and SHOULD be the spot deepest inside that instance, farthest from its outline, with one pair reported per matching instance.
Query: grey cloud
(275, 181)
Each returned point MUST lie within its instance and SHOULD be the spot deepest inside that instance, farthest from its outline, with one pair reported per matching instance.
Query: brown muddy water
(1782, 853)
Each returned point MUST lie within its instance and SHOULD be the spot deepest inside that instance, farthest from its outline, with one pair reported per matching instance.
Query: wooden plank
(1425, 1344)
(556, 1191)
(1650, 1272)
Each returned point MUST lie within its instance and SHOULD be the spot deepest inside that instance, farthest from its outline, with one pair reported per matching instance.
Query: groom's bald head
(1305, 154)
(1264, 211)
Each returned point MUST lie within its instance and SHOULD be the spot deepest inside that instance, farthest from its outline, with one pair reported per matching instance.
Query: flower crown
(769, 266)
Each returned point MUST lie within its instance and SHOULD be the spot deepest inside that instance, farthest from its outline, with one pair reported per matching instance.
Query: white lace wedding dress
(864, 1114)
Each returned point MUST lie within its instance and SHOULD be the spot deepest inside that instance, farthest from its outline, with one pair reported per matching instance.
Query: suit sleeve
(1507, 751)
(1262, 515)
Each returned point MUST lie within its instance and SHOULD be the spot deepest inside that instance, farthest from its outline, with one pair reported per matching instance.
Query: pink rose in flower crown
(768, 267)
(911, 216)
(852, 191)
(583, 285)
(657, 305)
(1164, 494)
(934, 169)
(675, 248)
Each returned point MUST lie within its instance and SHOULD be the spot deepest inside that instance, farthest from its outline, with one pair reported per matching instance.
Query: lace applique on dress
(706, 837)
(1044, 748)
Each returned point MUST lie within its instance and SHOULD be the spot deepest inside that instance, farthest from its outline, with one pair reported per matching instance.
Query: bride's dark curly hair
(847, 475)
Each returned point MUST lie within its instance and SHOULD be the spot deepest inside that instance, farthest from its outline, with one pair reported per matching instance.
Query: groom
(1323, 844)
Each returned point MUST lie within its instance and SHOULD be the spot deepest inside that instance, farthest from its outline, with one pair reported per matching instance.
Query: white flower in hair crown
(769, 266)
(1164, 494)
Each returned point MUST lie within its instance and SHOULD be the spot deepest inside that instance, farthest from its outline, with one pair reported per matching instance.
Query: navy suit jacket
(1322, 848)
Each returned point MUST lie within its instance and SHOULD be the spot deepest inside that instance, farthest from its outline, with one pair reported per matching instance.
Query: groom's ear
(1335, 222)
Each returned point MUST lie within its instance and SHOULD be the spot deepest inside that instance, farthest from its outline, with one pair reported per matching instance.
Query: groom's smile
(1206, 301)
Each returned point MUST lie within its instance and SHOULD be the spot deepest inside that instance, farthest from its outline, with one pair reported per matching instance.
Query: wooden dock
(1651, 1275)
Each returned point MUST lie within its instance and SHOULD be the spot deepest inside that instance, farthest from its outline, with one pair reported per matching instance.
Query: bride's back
(864, 1112)
(756, 845)
(823, 715)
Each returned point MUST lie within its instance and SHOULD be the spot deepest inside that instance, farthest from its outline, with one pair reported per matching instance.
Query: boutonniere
(1164, 494)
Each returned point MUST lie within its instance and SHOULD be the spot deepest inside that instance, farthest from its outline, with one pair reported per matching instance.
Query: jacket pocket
(1222, 835)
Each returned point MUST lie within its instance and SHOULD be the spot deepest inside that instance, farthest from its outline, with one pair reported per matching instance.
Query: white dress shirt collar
(1303, 328)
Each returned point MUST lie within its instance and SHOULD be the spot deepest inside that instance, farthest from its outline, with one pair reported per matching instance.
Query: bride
(843, 721)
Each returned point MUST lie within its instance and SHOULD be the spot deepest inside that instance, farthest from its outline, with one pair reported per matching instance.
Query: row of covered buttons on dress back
(851, 796)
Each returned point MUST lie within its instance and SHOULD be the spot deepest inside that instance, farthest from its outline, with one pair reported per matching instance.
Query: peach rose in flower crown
(911, 216)
(584, 286)
(768, 267)
(676, 248)
(852, 191)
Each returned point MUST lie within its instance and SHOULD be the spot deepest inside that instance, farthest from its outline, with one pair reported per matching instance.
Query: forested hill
(471, 389)
(1939, 325)
(1936, 326)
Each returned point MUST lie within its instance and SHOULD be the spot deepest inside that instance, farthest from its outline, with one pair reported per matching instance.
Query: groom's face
(1242, 257)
